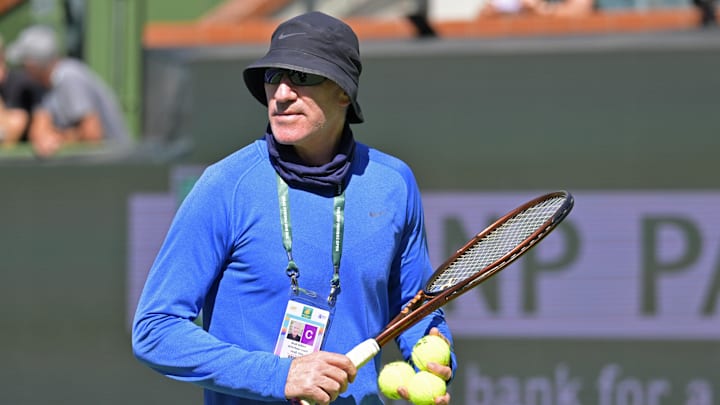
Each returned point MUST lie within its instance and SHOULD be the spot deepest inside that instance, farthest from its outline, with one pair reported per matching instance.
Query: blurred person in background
(562, 8)
(19, 95)
(552, 8)
(78, 106)
(226, 254)
(708, 17)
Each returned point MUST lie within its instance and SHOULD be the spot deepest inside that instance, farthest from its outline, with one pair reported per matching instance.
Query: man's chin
(284, 139)
(286, 136)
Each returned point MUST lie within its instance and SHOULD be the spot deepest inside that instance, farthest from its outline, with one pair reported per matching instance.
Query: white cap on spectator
(37, 43)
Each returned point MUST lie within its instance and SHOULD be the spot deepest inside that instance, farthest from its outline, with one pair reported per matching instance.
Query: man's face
(306, 117)
(37, 72)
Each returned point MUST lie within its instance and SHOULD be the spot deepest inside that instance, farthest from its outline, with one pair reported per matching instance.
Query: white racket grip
(359, 355)
(363, 352)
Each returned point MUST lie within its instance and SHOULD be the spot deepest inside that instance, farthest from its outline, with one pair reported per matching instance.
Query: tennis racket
(483, 256)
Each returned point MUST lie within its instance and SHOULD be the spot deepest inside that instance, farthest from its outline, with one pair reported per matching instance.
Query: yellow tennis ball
(430, 348)
(394, 375)
(424, 387)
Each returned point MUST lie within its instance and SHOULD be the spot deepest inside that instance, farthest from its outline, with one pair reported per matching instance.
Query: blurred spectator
(559, 8)
(78, 108)
(562, 8)
(19, 95)
(492, 8)
(707, 12)
(74, 13)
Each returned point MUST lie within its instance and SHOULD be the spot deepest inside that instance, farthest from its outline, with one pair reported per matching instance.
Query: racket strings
(497, 244)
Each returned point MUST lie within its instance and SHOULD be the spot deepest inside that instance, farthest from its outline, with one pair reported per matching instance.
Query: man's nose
(284, 90)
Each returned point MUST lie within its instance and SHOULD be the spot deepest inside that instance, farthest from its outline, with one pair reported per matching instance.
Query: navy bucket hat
(312, 43)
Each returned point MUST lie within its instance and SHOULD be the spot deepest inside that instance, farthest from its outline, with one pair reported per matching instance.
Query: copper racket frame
(424, 303)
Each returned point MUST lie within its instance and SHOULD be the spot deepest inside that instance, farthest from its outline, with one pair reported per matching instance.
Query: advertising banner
(618, 306)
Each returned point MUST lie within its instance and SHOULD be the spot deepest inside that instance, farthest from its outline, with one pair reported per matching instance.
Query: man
(266, 237)
(19, 95)
(708, 16)
(294, 333)
(78, 107)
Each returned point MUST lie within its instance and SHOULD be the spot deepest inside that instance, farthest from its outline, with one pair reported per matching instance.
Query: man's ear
(344, 99)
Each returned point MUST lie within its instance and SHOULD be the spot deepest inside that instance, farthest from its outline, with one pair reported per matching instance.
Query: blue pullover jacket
(223, 255)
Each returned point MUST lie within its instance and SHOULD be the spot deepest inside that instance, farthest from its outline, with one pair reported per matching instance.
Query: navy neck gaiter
(330, 177)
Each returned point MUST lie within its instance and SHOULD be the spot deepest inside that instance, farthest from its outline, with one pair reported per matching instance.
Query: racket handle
(359, 355)
(363, 352)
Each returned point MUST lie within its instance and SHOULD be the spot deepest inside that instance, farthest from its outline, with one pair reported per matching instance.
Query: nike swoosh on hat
(284, 35)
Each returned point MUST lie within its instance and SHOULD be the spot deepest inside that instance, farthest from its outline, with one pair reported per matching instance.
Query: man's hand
(444, 372)
(46, 145)
(43, 136)
(319, 377)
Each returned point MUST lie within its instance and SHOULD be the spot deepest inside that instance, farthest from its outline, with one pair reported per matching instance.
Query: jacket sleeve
(165, 336)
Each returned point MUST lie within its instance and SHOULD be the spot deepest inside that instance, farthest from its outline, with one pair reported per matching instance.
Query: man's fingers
(319, 377)
(344, 363)
(443, 400)
(436, 332)
(441, 371)
(403, 391)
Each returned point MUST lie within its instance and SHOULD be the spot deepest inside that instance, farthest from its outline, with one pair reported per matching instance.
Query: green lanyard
(338, 227)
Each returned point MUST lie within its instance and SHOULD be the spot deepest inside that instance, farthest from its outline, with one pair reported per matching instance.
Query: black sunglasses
(274, 76)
